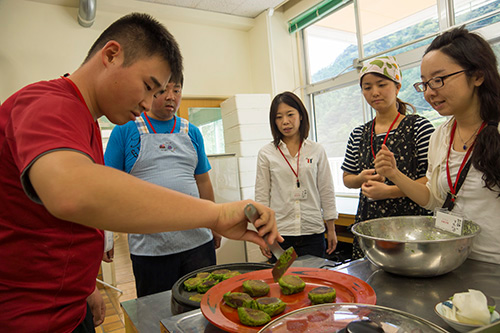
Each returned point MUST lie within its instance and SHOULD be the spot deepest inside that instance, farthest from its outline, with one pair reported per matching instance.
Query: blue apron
(168, 160)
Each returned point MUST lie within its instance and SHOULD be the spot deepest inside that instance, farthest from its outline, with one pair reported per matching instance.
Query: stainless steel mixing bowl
(413, 246)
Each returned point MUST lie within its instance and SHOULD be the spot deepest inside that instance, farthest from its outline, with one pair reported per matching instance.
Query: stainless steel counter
(419, 295)
(413, 295)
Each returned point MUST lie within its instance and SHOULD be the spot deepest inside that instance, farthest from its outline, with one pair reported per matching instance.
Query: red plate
(349, 289)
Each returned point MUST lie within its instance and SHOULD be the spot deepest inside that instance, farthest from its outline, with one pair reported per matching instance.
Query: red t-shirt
(48, 266)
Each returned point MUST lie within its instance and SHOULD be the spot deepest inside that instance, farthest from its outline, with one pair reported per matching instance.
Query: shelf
(343, 234)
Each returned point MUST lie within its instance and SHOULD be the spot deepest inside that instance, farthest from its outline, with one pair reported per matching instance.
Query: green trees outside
(338, 112)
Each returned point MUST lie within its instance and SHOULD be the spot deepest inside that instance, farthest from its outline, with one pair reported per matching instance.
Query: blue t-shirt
(124, 144)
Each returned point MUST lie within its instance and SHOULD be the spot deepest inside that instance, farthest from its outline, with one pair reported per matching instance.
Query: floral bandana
(387, 66)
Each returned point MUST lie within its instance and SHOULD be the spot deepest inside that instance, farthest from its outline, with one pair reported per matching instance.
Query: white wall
(224, 55)
(38, 42)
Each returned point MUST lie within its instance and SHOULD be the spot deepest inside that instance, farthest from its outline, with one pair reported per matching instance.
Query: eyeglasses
(435, 82)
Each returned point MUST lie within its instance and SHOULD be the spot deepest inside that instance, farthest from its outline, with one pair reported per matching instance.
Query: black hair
(179, 80)
(473, 53)
(290, 99)
(141, 36)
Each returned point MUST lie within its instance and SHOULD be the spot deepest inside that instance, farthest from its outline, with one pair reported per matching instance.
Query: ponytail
(403, 106)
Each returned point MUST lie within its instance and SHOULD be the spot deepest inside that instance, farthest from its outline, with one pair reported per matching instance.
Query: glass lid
(349, 318)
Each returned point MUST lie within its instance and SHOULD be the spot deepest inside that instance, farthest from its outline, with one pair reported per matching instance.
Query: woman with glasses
(406, 134)
(461, 80)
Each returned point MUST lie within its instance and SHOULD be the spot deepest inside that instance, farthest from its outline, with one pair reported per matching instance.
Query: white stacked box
(245, 118)
(247, 192)
(245, 148)
(248, 163)
(245, 101)
(247, 132)
(247, 178)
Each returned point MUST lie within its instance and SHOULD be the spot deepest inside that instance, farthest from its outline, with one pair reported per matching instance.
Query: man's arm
(205, 186)
(75, 189)
(207, 192)
(97, 306)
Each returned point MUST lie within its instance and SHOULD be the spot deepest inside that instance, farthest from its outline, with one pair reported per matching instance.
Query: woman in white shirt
(294, 178)
(460, 79)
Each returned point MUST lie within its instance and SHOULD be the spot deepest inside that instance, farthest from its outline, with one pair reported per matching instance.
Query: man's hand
(266, 252)
(109, 255)
(217, 239)
(97, 306)
(233, 224)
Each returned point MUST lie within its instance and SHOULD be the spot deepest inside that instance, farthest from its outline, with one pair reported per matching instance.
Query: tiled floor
(114, 321)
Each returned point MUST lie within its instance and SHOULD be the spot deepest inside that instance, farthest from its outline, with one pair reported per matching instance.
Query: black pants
(309, 244)
(87, 325)
(154, 274)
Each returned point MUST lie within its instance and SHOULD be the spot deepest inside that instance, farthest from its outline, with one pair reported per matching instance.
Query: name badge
(108, 240)
(299, 194)
(449, 221)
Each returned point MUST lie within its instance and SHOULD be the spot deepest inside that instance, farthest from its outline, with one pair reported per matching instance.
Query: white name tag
(449, 222)
(299, 194)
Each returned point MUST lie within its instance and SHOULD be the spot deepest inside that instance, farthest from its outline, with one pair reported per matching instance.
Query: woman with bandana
(460, 79)
(407, 135)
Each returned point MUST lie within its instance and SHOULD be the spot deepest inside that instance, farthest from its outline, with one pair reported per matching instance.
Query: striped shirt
(423, 130)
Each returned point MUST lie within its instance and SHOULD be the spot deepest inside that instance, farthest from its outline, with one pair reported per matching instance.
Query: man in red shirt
(56, 196)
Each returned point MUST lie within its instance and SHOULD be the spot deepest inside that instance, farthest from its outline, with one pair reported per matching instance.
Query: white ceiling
(246, 8)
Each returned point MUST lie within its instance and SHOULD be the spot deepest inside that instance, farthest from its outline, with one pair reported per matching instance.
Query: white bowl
(461, 327)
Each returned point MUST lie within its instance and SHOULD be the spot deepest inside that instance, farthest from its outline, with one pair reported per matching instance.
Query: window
(209, 121)
(335, 44)
(408, 94)
(391, 23)
(466, 10)
(337, 113)
(331, 44)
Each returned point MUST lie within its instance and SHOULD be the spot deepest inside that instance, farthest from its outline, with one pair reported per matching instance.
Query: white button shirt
(276, 183)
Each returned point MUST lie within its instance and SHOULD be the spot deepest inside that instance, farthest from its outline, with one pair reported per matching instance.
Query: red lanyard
(149, 122)
(298, 158)
(464, 161)
(386, 134)
(80, 96)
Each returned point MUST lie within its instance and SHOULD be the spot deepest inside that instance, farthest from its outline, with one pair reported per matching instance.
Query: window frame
(406, 59)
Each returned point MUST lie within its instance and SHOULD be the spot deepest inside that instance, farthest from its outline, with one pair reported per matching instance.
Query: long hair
(474, 54)
(141, 36)
(290, 99)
